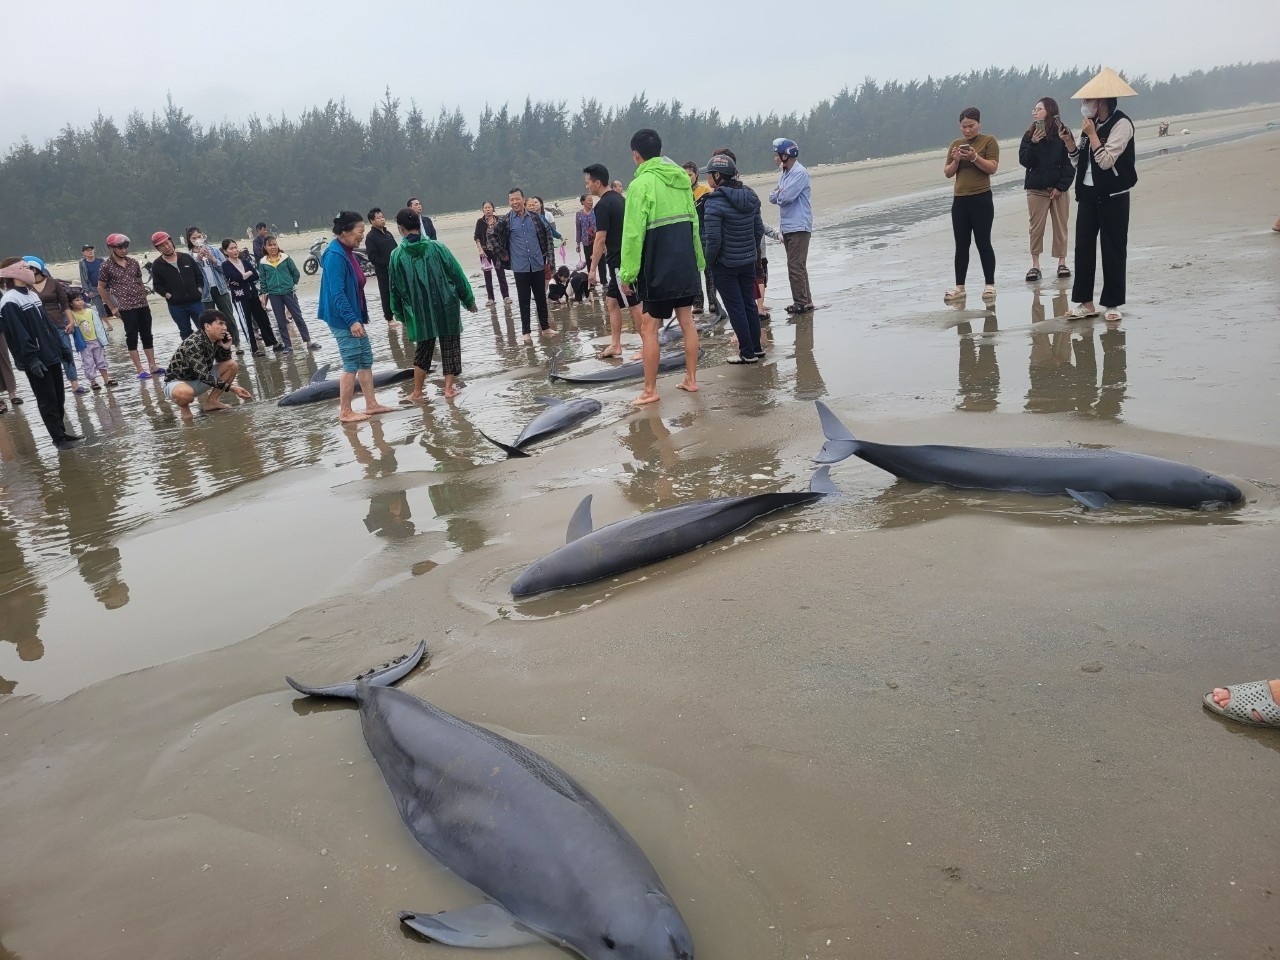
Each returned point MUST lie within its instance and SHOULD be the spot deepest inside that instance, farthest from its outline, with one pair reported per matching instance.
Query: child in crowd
(578, 284)
(90, 340)
(558, 288)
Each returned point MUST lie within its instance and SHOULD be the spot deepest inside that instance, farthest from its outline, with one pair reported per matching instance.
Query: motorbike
(311, 266)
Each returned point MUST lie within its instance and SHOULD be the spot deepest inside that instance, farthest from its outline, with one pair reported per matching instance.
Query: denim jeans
(69, 366)
(736, 286)
(186, 316)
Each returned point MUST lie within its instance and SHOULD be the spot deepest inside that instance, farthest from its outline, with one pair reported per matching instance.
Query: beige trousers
(1040, 207)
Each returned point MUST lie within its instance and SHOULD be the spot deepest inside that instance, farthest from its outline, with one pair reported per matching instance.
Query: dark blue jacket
(731, 226)
(29, 332)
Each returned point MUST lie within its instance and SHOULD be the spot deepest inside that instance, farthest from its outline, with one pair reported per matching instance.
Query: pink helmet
(117, 239)
(158, 238)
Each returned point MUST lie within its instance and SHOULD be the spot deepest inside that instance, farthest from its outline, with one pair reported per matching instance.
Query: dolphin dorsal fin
(321, 374)
(549, 401)
(580, 522)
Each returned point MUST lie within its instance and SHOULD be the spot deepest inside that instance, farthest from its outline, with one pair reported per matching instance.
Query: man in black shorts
(607, 252)
(661, 256)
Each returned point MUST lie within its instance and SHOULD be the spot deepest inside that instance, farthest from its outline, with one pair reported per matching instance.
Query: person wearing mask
(425, 227)
(662, 260)
(733, 231)
(344, 309)
(278, 280)
(177, 278)
(795, 220)
(242, 279)
(490, 258)
(37, 347)
(971, 160)
(57, 306)
(217, 293)
(1047, 183)
(428, 289)
(89, 267)
(121, 289)
(1105, 173)
(379, 244)
(203, 364)
(524, 244)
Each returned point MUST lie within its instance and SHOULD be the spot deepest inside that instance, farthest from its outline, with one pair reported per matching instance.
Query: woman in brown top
(972, 160)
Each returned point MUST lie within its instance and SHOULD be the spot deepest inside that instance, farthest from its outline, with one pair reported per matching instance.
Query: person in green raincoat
(428, 290)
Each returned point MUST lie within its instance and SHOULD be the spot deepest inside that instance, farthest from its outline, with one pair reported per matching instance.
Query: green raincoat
(428, 290)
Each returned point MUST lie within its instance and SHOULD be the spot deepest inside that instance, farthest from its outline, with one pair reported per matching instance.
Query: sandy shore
(910, 723)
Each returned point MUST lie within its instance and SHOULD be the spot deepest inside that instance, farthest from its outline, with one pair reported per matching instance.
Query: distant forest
(168, 171)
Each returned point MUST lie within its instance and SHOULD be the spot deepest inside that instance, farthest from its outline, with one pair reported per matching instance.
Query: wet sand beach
(908, 722)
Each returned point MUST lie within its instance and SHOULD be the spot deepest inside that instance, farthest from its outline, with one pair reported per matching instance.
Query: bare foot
(610, 351)
(548, 332)
(1222, 696)
(644, 399)
(412, 399)
(452, 392)
(352, 417)
(528, 339)
(637, 356)
(376, 408)
(687, 386)
(214, 406)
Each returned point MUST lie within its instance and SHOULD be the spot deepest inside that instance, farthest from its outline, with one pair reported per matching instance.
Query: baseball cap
(721, 166)
(87, 246)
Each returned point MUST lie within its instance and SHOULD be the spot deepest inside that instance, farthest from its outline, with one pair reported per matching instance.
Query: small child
(558, 288)
(91, 340)
(578, 284)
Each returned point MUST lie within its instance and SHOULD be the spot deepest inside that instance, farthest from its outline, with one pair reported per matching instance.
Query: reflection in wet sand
(809, 382)
(979, 369)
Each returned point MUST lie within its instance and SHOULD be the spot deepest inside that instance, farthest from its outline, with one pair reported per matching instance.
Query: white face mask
(200, 242)
(1088, 110)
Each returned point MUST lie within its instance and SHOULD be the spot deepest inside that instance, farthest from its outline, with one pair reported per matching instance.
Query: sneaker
(697, 310)
(287, 350)
(737, 360)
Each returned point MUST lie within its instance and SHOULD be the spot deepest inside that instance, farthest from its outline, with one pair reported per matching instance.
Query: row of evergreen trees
(169, 171)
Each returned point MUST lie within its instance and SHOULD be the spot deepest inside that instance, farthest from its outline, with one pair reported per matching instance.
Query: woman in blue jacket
(343, 308)
(731, 233)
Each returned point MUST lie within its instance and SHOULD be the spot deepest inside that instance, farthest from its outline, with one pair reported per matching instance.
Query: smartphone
(1040, 125)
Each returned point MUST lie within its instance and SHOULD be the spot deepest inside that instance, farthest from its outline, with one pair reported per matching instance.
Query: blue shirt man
(796, 220)
(526, 252)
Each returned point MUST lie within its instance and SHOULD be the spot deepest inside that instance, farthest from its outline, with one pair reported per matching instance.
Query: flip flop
(1064, 272)
(1033, 274)
(143, 375)
(1114, 315)
(1245, 699)
(17, 401)
(158, 372)
(113, 382)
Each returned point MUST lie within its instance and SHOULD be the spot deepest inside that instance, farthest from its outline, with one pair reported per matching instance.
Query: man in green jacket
(661, 256)
(428, 288)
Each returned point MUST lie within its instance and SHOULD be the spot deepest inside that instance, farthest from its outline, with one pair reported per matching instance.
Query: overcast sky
(224, 60)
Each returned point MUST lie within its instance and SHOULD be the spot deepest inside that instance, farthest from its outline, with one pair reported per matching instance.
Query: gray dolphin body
(559, 415)
(672, 332)
(593, 554)
(319, 387)
(667, 361)
(1095, 478)
(553, 863)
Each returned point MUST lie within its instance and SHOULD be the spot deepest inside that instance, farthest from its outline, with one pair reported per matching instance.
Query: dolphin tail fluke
(821, 481)
(486, 926)
(840, 444)
(383, 676)
(510, 450)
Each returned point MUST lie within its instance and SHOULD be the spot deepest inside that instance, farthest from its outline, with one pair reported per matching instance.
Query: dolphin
(593, 554)
(554, 865)
(672, 332)
(1095, 478)
(667, 361)
(560, 415)
(319, 387)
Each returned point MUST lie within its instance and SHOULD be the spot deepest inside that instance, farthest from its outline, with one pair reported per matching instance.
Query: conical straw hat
(1106, 84)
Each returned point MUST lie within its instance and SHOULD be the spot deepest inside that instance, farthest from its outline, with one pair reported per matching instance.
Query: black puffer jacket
(731, 226)
(1046, 162)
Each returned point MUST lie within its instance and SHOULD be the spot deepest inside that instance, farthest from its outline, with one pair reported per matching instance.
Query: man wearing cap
(1105, 173)
(178, 278)
(89, 267)
(795, 220)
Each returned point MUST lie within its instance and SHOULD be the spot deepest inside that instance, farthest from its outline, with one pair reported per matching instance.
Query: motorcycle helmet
(159, 237)
(785, 148)
(116, 239)
(37, 264)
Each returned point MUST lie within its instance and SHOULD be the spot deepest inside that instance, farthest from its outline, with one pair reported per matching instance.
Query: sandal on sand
(989, 292)
(1114, 315)
(1079, 313)
(955, 293)
(1063, 271)
(1247, 699)
(1033, 274)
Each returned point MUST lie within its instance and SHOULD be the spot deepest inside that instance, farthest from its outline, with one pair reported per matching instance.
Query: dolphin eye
(608, 942)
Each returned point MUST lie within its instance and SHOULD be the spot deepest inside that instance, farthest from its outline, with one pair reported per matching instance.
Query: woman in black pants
(242, 278)
(971, 161)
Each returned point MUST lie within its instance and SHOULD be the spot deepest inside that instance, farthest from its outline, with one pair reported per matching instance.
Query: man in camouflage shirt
(203, 364)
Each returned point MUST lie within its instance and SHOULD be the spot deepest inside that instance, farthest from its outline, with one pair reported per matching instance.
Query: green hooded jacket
(661, 250)
(428, 289)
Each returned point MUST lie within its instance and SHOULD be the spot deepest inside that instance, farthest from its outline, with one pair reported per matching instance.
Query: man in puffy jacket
(733, 229)
(661, 256)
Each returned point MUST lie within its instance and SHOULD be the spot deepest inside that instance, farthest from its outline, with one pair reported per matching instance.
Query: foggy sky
(226, 61)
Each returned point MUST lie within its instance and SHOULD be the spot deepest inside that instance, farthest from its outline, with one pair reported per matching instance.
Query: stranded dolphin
(319, 387)
(1093, 477)
(559, 415)
(672, 332)
(667, 361)
(592, 554)
(553, 863)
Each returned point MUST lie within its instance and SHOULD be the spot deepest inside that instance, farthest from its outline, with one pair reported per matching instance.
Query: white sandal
(989, 292)
(1113, 315)
(955, 293)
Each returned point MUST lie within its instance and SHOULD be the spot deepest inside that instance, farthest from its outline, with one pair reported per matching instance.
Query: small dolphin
(560, 415)
(319, 387)
(667, 361)
(593, 554)
(554, 865)
(672, 332)
(1095, 478)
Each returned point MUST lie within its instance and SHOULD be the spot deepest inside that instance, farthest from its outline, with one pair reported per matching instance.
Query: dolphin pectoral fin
(483, 927)
(321, 374)
(555, 363)
(383, 676)
(580, 522)
(510, 450)
(1093, 499)
(549, 401)
(840, 444)
(821, 481)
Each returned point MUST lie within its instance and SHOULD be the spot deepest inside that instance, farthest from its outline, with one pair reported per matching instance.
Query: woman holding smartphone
(1048, 180)
(971, 161)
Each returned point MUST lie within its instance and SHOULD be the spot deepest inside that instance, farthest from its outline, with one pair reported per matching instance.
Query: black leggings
(972, 217)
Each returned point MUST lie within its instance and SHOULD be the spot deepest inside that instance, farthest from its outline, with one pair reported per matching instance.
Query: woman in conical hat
(1105, 173)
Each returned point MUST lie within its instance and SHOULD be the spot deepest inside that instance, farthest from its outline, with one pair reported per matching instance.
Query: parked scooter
(311, 266)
